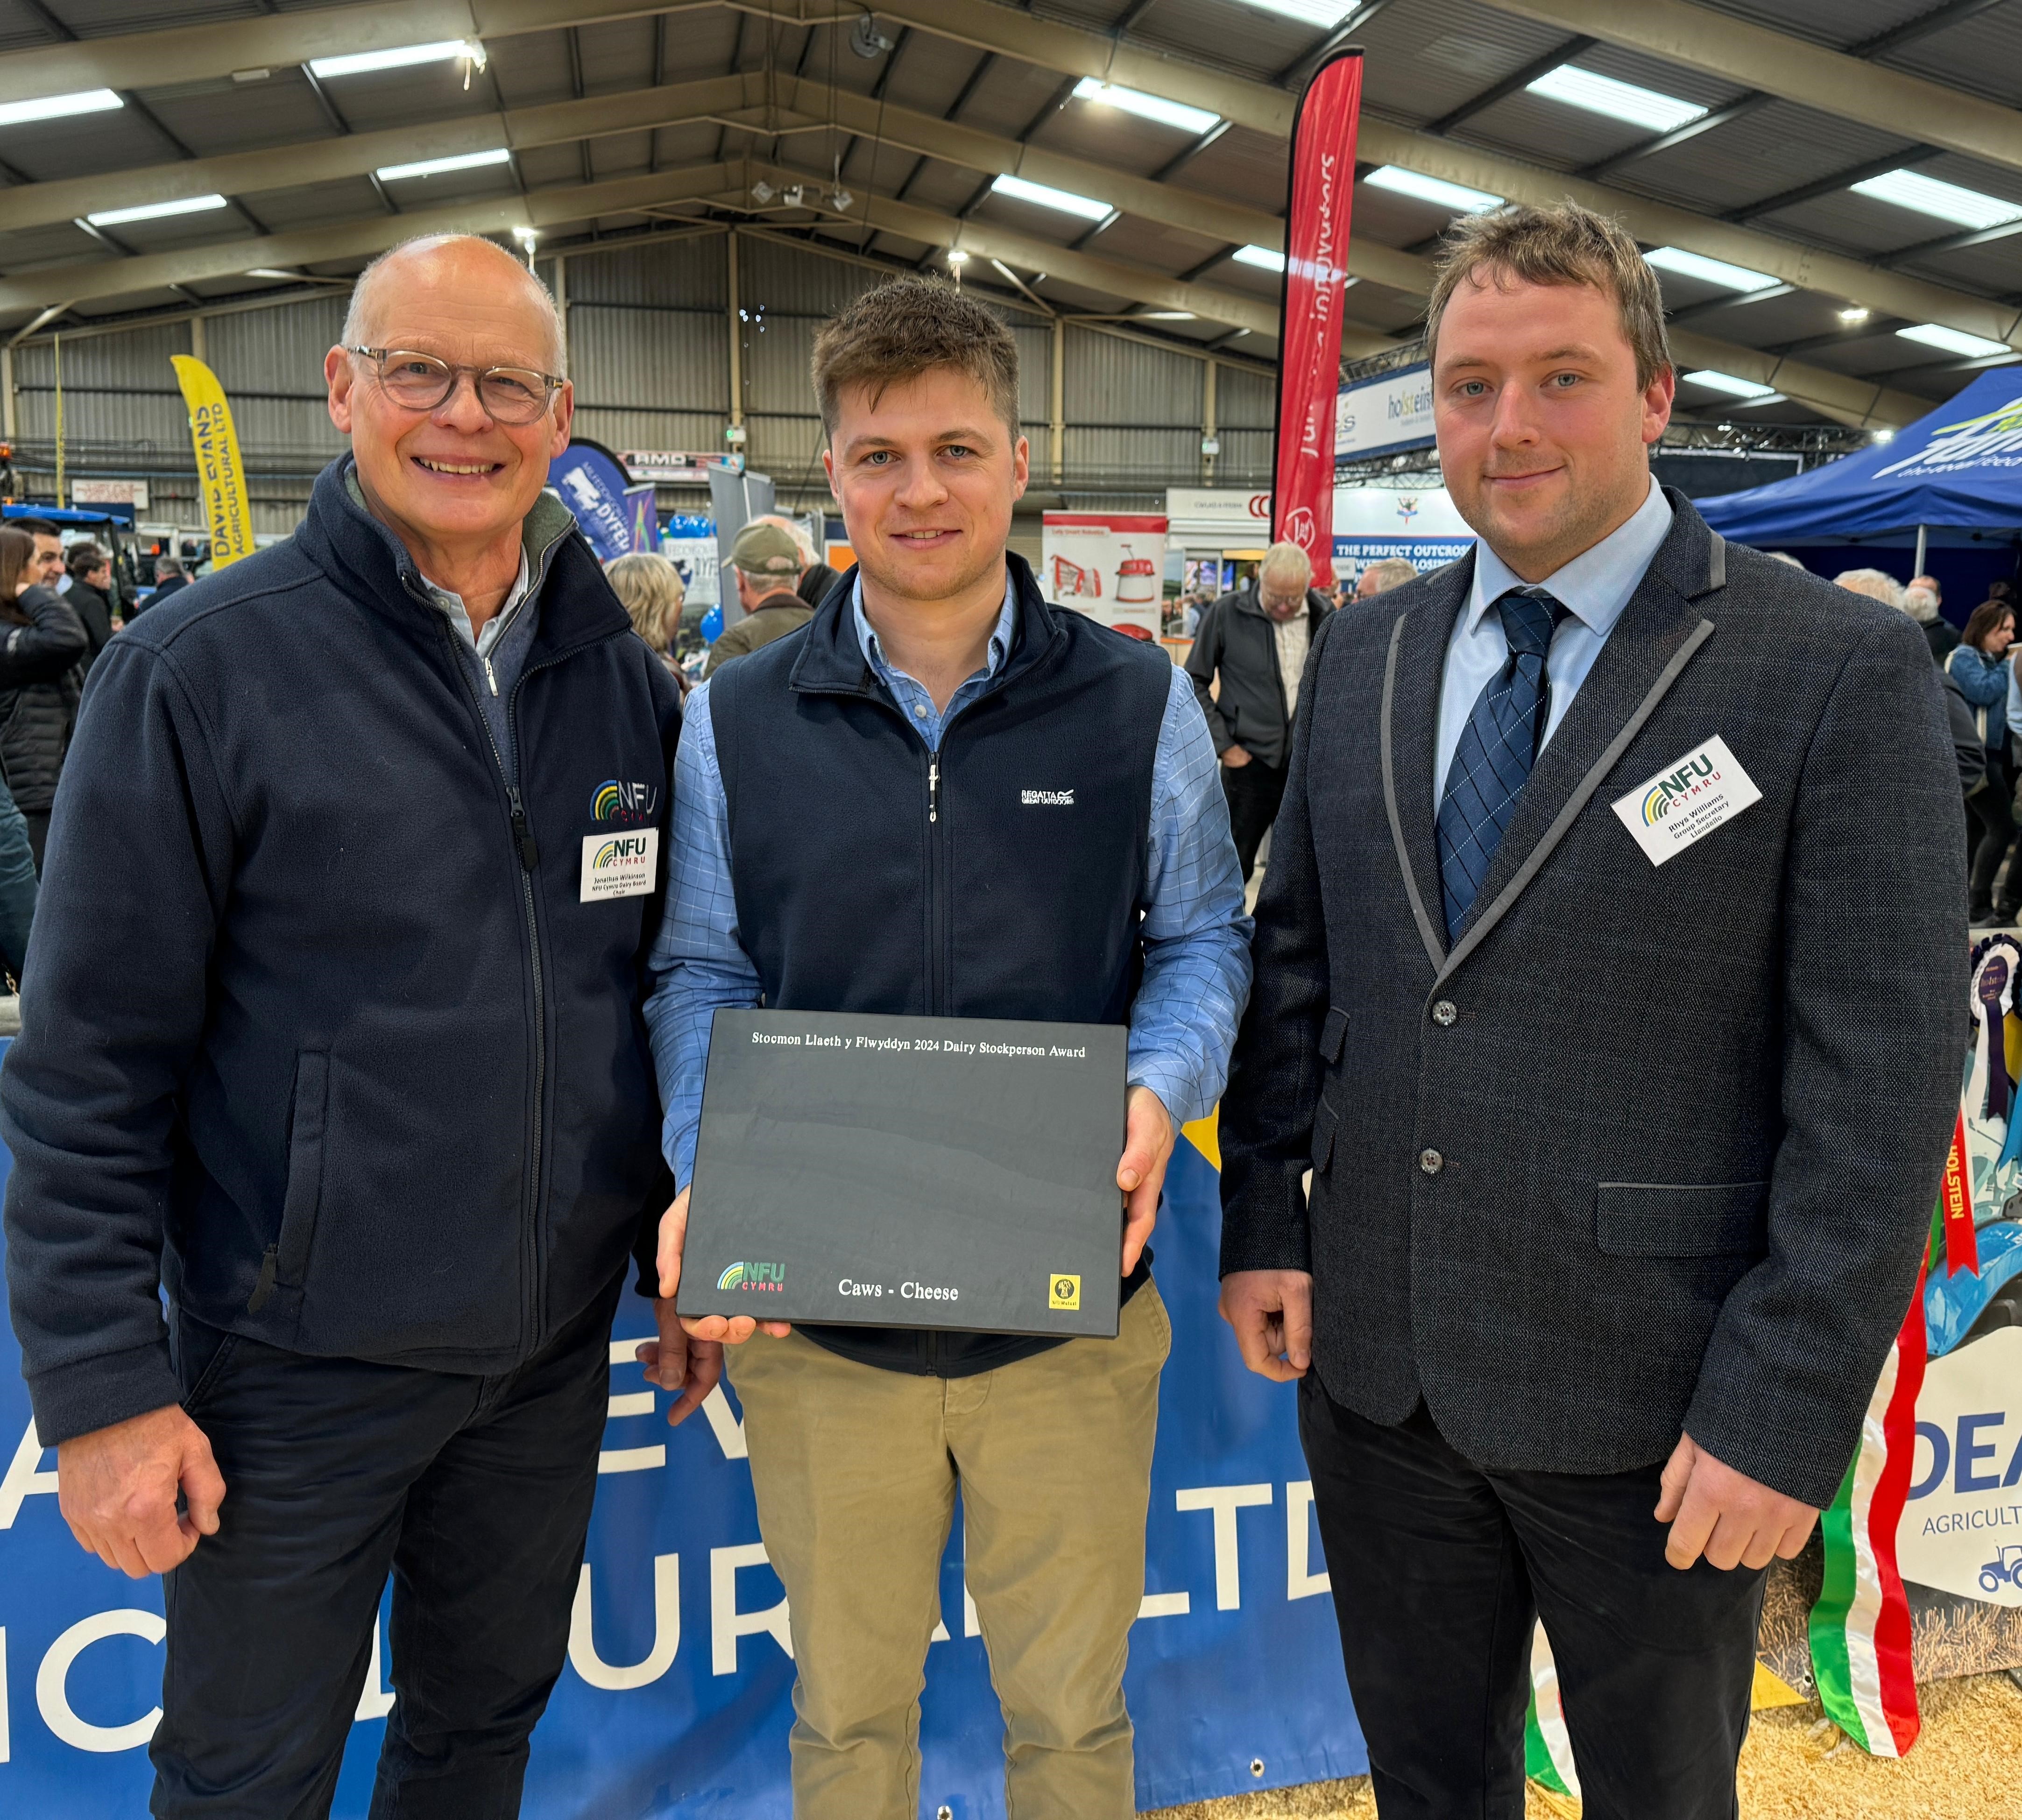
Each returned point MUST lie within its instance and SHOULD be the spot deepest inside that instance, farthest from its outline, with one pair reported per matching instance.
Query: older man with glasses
(335, 1034)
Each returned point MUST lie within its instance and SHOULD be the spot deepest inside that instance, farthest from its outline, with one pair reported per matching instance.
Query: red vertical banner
(1316, 221)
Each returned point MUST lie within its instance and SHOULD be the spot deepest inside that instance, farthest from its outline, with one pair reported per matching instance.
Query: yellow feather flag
(220, 471)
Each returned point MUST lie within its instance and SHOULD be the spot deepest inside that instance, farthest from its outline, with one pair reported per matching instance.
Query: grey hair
(355, 317)
(1875, 584)
(1390, 572)
(1285, 560)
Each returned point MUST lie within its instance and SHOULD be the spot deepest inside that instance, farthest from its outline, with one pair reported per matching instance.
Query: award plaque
(909, 1172)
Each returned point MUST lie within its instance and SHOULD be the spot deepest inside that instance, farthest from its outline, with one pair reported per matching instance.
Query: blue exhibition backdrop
(676, 1698)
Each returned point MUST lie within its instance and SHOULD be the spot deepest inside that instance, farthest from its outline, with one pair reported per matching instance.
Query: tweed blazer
(1645, 1149)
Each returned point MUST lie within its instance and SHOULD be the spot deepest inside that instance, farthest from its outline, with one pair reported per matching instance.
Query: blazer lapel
(1659, 632)
(1413, 668)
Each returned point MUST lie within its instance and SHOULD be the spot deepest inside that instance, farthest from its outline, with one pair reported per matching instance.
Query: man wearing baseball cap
(766, 563)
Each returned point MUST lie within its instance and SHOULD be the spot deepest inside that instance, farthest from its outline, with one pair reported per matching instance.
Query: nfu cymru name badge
(1687, 800)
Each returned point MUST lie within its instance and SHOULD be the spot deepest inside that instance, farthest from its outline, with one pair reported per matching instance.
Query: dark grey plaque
(909, 1172)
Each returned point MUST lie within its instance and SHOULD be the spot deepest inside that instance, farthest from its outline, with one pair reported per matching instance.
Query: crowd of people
(1983, 695)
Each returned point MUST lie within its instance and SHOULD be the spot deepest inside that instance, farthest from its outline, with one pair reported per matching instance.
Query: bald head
(453, 269)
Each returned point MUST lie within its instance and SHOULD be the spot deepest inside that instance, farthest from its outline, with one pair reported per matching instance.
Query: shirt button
(920, 712)
(1444, 1014)
(1431, 1161)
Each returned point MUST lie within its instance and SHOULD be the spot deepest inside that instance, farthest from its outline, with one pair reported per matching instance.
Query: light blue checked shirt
(1196, 937)
(1593, 588)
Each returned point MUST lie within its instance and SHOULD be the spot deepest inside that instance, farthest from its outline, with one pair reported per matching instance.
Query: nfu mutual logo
(1994, 439)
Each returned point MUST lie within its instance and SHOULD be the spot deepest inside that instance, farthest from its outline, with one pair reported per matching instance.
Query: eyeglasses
(514, 395)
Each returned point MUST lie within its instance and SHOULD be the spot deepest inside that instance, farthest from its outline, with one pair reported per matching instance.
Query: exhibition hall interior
(401, 778)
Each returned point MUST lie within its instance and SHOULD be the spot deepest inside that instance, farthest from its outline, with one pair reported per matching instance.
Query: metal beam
(1078, 52)
(362, 238)
(1860, 403)
(195, 53)
(1719, 45)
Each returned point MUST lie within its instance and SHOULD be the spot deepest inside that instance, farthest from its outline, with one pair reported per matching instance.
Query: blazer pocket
(1664, 1220)
(305, 1151)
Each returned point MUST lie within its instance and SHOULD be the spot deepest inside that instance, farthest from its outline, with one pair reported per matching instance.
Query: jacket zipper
(930, 1348)
(529, 855)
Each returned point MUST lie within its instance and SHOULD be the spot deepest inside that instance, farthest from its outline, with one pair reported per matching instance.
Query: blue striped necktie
(1497, 747)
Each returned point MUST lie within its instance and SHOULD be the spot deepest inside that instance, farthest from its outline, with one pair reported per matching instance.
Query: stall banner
(688, 540)
(675, 1701)
(220, 471)
(1384, 416)
(642, 521)
(1316, 228)
(1108, 565)
(594, 488)
(1421, 524)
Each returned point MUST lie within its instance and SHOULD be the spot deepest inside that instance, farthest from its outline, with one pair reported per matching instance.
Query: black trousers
(474, 1492)
(1439, 1571)
(1254, 791)
(1990, 833)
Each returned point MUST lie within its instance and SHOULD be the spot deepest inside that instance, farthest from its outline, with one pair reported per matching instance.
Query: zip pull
(530, 855)
(490, 678)
(933, 790)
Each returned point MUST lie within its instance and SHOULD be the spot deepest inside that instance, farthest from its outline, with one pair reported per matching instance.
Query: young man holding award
(944, 797)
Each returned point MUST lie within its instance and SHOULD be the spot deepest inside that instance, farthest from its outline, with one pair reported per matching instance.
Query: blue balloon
(712, 624)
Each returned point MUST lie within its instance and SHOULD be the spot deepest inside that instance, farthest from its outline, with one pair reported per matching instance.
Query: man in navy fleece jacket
(334, 1032)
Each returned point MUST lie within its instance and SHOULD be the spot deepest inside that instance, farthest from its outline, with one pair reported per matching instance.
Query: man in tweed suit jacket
(1610, 981)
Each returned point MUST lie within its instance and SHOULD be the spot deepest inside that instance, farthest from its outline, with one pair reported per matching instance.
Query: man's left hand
(1148, 1145)
(678, 1361)
(1731, 1519)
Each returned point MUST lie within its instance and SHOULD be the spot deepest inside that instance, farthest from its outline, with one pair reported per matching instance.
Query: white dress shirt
(1593, 588)
(1292, 637)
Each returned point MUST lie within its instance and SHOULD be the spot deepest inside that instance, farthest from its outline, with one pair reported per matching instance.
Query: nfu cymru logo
(1686, 782)
(768, 1277)
(1994, 439)
(626, 850)
(624, 802)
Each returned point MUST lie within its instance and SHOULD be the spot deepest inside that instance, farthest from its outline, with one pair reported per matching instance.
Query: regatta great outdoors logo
(617, 801)
(1686, 781)
(1992, 440)
(769, 1277)
(1047, 799)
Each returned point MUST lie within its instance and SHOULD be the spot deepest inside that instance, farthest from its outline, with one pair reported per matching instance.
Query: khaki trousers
(856, 1471)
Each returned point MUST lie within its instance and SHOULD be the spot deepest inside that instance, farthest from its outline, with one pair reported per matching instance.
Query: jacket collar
(371, 565)
(1661, 630)
(831, 662)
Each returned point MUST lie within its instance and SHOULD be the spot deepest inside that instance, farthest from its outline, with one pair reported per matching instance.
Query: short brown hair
(1564, 244)
(913, 325)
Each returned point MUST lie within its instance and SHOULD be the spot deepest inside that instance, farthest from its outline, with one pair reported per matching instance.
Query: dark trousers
(39, 834)
(474, 1492)
(1990, 833)
(1254, 791)
(1439, 1571)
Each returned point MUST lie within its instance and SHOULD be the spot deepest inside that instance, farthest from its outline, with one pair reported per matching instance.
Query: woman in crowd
(1980, 667)
(42, 643)
(652, 591)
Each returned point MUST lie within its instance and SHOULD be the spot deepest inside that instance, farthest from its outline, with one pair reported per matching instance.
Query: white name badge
(623, 863)
(1687, 800)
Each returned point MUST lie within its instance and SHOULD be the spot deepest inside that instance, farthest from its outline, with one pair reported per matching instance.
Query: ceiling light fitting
(1047, 197)
(58, 107)
(866, 40)
(155, 211)
(1456, 197)
(1911, 189)
(1148, 107)
(439, 166)
(1644, 108)
(1718, 272)
(466, 51)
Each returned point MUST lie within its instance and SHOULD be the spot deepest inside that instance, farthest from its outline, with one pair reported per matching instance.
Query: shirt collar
(1595, 585)
(1000, 638)
(458, 614)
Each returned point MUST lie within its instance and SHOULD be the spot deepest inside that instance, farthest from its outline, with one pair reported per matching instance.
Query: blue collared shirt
(1594, 588)
(1196, 936)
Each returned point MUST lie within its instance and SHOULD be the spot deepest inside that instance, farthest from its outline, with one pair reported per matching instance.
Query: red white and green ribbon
(1860, 1625)
(1547, 1748)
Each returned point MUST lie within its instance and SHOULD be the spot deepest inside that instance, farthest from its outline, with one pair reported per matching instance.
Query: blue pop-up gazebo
(1951, 474)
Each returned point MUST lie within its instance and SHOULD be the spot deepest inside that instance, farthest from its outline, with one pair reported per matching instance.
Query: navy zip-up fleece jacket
(329, 1029)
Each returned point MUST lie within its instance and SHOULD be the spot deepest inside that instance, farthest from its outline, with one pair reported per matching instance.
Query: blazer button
(1445, 1014)
(1431, 1161)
